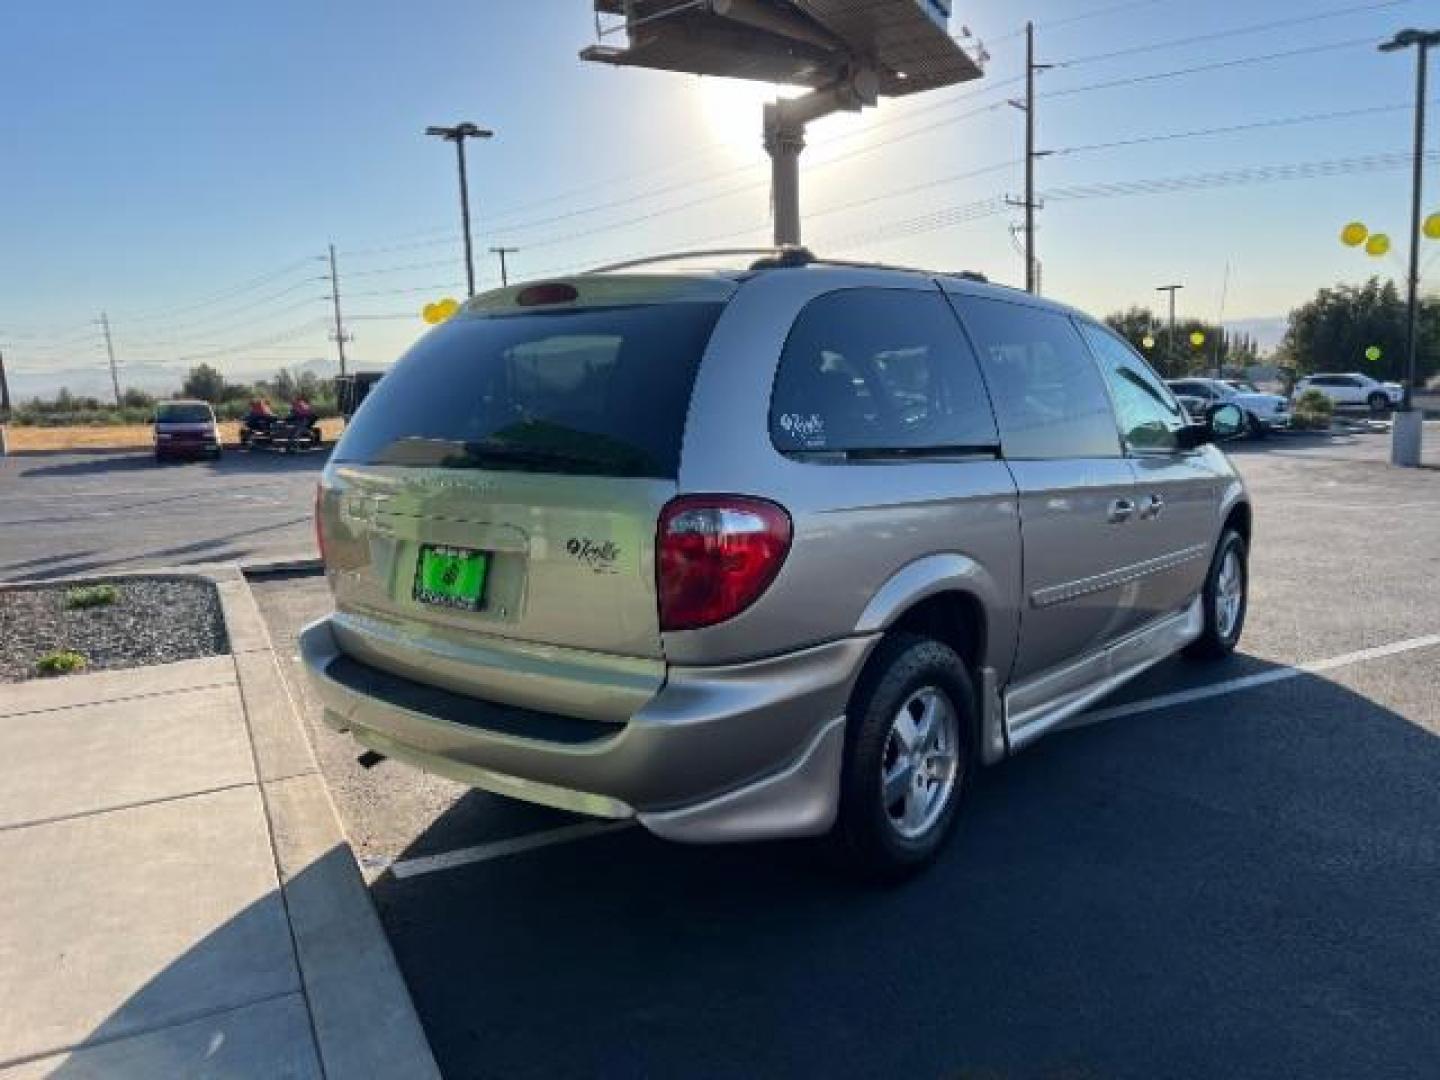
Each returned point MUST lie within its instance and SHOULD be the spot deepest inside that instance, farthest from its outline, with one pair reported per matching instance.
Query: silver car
(789, 550)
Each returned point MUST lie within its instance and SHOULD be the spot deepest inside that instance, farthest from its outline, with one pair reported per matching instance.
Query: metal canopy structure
(850, 53)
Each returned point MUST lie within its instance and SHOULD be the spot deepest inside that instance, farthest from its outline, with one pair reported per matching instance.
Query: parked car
(1354, 389)
(1264, 413)
(186, 429)
(785, 551)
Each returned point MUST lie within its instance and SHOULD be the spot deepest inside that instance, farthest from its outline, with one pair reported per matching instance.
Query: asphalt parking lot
(1226, 869)
(77, 513)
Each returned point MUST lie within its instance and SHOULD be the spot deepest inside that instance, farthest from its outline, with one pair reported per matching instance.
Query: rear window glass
(879, 370)
(182, 412)
(598, 391)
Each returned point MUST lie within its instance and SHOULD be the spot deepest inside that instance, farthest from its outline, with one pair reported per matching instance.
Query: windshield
(600, 391)
(182, 412)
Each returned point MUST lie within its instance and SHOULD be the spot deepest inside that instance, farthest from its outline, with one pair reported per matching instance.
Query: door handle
(1120, 511)
(1154, 504)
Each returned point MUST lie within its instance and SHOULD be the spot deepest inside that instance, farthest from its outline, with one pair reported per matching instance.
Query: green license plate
(451, 577)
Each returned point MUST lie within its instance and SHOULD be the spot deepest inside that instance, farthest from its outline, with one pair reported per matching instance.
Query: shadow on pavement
(1240, 887)
(235, 462)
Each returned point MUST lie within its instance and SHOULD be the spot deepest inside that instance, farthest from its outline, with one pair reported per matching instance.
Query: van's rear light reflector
(716, 555)
(554, 293)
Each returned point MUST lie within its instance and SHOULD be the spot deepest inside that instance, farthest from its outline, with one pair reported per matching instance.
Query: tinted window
(1149, 415)
(1048, 394)
(878, 369)
(182, 412)
(1194, 389)
(600, 391)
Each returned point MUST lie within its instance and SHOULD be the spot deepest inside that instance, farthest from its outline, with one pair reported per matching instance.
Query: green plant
(89, 596)
(60, 662)
(1313, 411)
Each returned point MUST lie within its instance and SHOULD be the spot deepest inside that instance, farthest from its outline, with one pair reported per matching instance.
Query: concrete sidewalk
(177, 898)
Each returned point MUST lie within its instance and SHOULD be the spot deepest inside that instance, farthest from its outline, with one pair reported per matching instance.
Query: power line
(1256, 125)
(220, 296)
(1156, 76)
(1238, 31)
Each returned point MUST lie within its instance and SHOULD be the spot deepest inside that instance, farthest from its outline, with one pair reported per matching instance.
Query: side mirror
(1226, 422)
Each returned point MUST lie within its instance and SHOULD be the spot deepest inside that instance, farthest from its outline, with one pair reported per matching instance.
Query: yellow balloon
(431, 314)
(1377, 245)
(1354, 234)
(1432, 226)
(1148, 341)
(1197, 339)
(447, 308)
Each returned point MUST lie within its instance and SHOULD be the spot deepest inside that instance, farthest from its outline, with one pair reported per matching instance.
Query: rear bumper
(740, 752)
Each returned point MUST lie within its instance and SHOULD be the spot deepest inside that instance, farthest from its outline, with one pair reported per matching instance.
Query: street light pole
(1408, 427)
(1170, 336)
(458, 134)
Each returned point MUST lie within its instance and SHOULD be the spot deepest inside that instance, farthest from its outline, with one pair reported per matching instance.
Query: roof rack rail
(677, 256)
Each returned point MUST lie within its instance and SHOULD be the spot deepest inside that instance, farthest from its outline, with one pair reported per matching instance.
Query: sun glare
(733, 111)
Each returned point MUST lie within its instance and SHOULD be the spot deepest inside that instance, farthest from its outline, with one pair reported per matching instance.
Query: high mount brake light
(554, 293)
(716, 555)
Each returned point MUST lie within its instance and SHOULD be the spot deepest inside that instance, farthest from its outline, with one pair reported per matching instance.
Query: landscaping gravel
(155, 621)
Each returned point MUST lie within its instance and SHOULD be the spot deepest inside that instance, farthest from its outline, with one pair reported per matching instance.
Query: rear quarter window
(879, 370)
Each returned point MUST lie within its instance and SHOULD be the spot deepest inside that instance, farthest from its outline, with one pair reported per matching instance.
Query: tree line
(1342, 328)
(231, 399)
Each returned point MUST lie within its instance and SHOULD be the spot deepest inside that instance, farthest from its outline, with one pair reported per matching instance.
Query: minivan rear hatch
(489, 516)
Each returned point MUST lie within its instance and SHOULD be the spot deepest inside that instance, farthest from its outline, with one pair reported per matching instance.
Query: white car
(1264, 413)
(1352, 388)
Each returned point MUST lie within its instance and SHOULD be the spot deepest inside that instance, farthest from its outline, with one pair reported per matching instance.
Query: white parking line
(568, 834)
(1247, 682)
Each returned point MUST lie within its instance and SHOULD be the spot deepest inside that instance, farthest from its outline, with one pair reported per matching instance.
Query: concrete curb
(301, 565)
(365, 1023)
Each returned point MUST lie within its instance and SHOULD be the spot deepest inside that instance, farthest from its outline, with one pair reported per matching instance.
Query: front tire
(910, 755)
(1378, 402)
(1225, 598)
(1255, 427)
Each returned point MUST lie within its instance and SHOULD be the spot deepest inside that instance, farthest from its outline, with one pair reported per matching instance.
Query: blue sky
(180, 166)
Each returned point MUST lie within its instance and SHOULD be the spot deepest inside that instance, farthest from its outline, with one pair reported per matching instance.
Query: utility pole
(502, 252)
(1408, 427)
(1170, 337)
(340, 337)
(1029, 202)
(1221, 340)
(110, 351)
(4, 390)
(458, 134)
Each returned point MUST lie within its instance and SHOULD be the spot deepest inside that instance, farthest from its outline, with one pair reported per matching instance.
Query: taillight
(715, 555)
(319, 523)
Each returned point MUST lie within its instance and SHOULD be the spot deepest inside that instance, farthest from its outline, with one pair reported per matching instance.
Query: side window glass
(1150, 417)
(1048, 394)
(879, 369)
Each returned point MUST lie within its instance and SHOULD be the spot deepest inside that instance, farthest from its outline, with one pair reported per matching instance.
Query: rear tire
(1225, 599)
(911, 751)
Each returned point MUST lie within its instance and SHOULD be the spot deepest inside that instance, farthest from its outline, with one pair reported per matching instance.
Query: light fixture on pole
(458, 134)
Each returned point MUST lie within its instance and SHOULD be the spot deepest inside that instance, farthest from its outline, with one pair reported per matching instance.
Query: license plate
(451, 577)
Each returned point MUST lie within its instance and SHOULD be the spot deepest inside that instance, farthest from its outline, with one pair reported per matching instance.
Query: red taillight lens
(715, 555)
(557, 292)
(319, 522)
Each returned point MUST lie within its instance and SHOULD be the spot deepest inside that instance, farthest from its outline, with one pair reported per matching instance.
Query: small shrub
(89, 596)
(60, 662)
(1313, 411)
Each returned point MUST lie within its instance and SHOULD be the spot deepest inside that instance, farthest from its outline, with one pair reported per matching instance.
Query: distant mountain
(92, 380)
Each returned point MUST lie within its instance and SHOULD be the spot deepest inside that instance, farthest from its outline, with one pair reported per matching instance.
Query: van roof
(681, 276)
